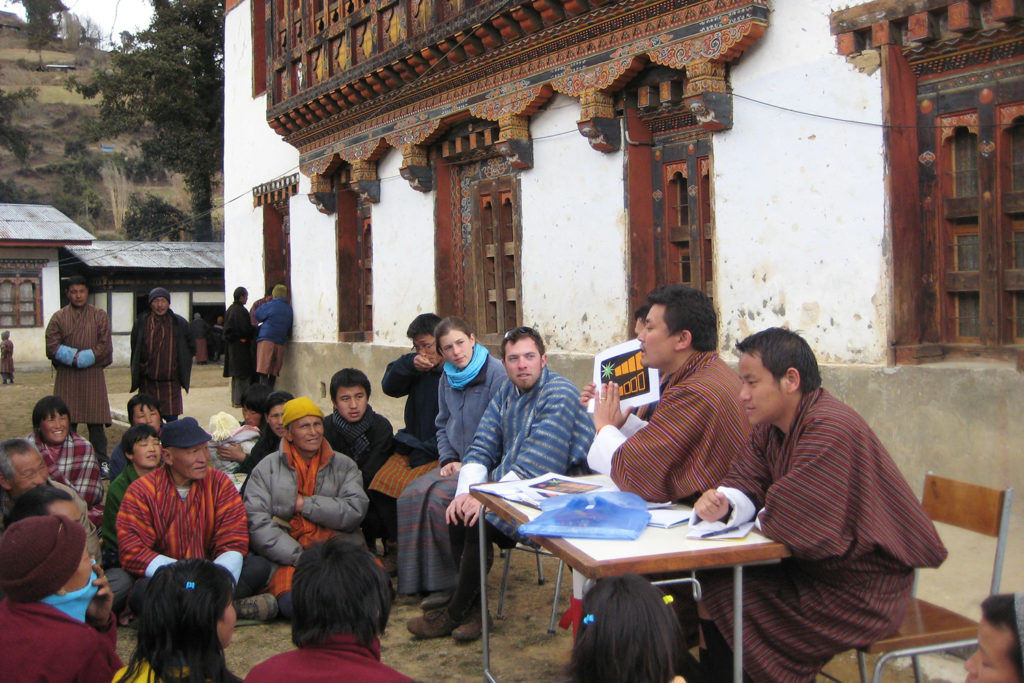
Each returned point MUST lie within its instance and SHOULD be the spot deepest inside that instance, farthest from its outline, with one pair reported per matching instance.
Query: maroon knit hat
(38, 555)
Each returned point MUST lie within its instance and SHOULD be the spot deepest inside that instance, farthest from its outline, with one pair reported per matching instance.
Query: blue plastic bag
(602, 514)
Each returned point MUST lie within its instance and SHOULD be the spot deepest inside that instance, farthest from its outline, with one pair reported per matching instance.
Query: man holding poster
(697, 427)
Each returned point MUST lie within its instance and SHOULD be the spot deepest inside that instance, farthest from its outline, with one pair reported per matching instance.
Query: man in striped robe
(535, 424)
(187, 509)
(162, 351)
(697, 427)
(818, 480)
(78, 343)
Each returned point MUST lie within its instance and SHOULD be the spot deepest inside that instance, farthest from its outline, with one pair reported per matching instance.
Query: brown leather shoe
(433, 624)
(472, 627)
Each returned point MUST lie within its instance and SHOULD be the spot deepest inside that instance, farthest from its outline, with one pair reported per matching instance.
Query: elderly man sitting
(300, 495)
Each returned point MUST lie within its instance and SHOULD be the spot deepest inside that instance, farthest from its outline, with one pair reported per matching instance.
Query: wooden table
(656, 551)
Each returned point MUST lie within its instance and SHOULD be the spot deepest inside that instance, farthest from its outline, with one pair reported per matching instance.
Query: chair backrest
(976, 508)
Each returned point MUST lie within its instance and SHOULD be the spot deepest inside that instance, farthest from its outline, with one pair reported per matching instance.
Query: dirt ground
(521, 647)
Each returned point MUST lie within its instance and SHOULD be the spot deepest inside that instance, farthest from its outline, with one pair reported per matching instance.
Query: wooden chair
(928, 627)
(507, 554)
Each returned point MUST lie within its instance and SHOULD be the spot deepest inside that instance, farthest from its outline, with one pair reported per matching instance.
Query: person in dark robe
(200, 330)
(162, 351)
(239, 333)
(817, 479)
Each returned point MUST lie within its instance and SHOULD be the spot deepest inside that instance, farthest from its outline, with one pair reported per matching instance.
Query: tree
(43, 22)
(153, 219)
(13, 138)
(169, 80)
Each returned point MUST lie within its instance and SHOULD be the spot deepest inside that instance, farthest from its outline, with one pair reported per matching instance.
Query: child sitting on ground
(142, 450)
(186, 622)
(630, 634)
(353, 429)
(998, 659)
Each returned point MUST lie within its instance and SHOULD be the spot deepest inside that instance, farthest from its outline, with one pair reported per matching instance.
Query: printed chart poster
(621, 364)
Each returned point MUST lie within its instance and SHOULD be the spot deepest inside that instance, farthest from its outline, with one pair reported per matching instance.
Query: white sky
(112, 16)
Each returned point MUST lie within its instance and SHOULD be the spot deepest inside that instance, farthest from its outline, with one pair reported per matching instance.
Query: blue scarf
(460, 378)
(76, 602)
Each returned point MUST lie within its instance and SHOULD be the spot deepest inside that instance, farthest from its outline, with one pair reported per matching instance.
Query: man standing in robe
(697, 427)
(162, 350)
(78, 344)
(817, 479)
(239, 333)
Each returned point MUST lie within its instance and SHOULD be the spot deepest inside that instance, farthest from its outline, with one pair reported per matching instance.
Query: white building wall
(799, 199)
(29, 342)
(253, 154)
(574, 254)
(314, 270)
(404, 272)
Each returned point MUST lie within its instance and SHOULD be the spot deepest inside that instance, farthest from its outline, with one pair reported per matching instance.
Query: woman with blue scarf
(470, 379)
(56, 622)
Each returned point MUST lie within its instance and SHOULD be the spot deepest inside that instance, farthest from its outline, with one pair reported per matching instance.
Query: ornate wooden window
(355, 267)
(20, 300)
(960, 237)
(685, 254)
(496, 271)
(273, 197)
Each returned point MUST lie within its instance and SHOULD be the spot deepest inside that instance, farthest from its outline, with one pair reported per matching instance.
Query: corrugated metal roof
(166, 255)
(39, 223)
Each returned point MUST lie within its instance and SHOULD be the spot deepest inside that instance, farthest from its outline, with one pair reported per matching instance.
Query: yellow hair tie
(668, 599)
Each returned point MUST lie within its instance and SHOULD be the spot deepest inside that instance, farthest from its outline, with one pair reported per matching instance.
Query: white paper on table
(525, 490)
(667, 518)
(701, 529)
(638, 385)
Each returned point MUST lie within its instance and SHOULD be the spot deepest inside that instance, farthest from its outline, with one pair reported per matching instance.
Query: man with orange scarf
(302, 494)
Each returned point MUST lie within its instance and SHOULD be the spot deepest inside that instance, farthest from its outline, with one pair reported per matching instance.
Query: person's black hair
(239, 293)
(688, 309)
(144, 400)
(48, 406)
(641, 313)
(177, 634)
(349, 377)
(75, 280)
(135, 434)
(339, 588)
(628, 635)
(35, 503)
(1000, 611)
(255, 397)
(424, 323)
(522, 332)
(269, 441)
(780, 350)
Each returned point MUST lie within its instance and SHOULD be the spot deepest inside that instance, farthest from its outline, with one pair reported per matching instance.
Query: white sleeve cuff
(742, 507)
(232, 561)
(606, 442)
(471, 473)
(633, 425)
(156, 563)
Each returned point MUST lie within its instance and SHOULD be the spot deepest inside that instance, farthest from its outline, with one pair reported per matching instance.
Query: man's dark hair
(688, 309)
(48, 406)
(349, 377)
(75, 280)
(35, 503)
(522, 332)
(780, 350)
(338, 588)
(641, 313)
(239, 293)
(135, 434)
(424, 323)
(1000, 611)
(255, 397)
(144, 400)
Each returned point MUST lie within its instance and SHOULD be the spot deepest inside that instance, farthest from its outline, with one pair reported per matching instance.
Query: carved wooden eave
(497, 61)
(935, 36)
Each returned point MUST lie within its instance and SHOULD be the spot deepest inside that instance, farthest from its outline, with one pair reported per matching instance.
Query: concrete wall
(30, 342)
(253, 154)
(799, 199)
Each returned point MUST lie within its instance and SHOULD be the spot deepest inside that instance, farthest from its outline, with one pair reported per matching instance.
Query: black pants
(253, 578)
(466, 551)
(716, 660)
(98, 439)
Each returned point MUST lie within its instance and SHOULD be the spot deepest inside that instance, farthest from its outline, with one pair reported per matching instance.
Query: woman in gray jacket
(470, 379)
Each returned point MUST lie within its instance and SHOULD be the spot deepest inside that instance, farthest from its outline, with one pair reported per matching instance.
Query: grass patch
(58, 94)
